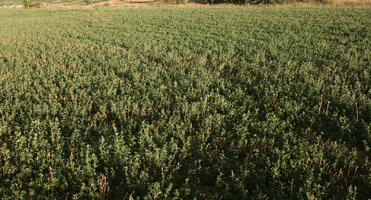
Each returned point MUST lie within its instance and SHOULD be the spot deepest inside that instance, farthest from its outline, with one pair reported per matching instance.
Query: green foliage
(27, 3)
(257, 2)
(192, 103)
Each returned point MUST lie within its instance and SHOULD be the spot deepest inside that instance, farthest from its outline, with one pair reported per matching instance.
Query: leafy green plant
(27, 3)
(188, 103)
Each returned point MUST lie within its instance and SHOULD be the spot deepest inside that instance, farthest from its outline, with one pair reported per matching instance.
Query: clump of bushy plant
(107, 4)
(27, 3)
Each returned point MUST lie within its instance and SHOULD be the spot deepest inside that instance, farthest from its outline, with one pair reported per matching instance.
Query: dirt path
(159, 3)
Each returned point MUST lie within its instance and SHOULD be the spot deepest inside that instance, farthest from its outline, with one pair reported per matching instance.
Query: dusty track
(154, 3)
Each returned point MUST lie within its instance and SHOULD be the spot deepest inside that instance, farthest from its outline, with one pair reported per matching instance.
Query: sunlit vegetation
(166, 103)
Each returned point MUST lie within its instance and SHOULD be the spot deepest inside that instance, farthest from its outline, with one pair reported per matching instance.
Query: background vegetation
(228, 103)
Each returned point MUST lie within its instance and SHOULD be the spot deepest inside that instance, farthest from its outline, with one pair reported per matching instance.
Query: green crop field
(185, 103)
